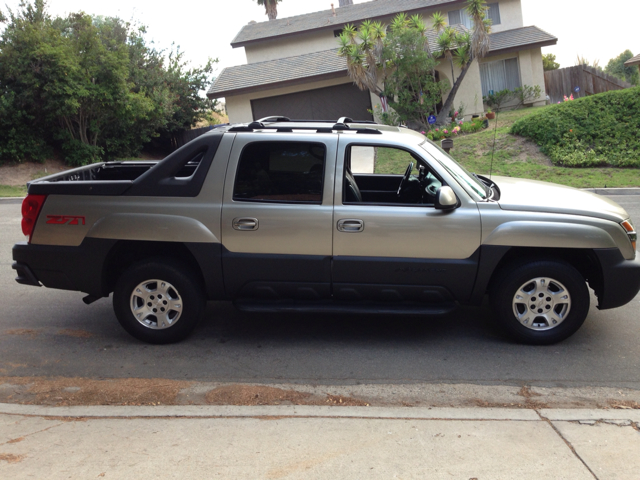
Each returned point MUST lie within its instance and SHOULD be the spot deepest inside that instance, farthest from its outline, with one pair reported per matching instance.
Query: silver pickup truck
(290, 216)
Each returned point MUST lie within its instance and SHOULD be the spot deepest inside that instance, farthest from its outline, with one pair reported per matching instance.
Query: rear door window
(283, 172)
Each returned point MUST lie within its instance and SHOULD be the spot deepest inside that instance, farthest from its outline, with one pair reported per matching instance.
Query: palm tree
(271, 7)
(362, 47)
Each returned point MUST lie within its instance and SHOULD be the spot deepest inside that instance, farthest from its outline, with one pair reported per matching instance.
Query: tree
(549, 62)
(470, 47)
(90, 86)
(617, 68)
(363, 47)
(271, 8)
(411, 84)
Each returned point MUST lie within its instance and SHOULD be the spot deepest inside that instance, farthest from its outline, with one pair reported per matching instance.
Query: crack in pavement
(567, 442)
(15, 440)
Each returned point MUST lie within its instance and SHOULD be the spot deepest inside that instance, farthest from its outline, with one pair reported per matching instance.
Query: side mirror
(446, 199)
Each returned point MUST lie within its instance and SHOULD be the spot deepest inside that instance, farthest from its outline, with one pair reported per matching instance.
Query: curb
(306, 411)
(11, 200)
(614, 191)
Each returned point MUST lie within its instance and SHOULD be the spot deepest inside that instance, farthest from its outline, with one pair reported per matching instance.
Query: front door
(390, 243)
(277, 215)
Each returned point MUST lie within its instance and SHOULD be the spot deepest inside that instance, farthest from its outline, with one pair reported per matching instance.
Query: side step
(337, 307)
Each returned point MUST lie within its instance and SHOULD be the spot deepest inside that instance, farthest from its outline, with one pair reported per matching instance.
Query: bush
(596, 131)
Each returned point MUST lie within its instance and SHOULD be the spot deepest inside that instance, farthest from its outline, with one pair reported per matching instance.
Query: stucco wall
(238, 107)
(531, 69)
(309, 42)
(470, 93)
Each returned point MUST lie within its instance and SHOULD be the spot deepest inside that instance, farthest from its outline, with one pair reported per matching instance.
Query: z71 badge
(65, 220)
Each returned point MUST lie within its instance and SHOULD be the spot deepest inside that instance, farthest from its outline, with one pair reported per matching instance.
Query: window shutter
(494, 13)
(454, 17)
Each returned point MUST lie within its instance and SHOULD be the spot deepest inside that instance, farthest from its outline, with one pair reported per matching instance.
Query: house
(293, 68)
(633, 61)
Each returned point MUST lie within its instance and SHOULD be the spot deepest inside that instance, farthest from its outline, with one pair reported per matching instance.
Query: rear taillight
(31, 207)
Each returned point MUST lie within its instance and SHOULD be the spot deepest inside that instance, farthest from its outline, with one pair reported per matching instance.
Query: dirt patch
(261, 395)
(22, 331)
(20, 174)
(345, 401)
(255, 395)
(10, 458)
(81, 391)
(75, 333)
(624, 404)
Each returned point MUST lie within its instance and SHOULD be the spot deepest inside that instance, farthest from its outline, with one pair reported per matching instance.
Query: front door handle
(350, 225)
(245, 224)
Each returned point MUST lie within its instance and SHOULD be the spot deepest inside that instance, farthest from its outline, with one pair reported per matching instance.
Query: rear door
(277, 216)
(386, 248)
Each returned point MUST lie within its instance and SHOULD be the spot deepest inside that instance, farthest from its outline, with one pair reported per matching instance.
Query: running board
(334, 307)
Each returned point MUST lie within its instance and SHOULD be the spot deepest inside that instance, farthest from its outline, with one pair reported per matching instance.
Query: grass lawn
(11, 191)
(516, 157)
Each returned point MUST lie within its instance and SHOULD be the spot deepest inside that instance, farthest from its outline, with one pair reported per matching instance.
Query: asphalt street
(52, 333)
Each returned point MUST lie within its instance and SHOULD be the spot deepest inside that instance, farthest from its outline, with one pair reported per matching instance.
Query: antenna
(493, 149)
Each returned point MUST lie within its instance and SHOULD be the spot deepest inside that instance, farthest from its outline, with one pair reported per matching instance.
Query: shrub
(600, 130)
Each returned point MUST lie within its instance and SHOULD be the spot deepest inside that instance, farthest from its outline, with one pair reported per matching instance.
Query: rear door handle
(245, 224)
(350, 225)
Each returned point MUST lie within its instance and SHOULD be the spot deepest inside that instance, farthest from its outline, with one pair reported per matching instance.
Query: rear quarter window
(283, 172)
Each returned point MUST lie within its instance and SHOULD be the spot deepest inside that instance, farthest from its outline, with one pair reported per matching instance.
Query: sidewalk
(309, 442)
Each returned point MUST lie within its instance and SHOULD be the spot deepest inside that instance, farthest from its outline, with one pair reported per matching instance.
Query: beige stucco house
(293, 68)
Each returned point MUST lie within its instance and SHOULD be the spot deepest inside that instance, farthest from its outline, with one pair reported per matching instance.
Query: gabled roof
(327, 64)
(633, 61)
(516, 39)
(325, 19)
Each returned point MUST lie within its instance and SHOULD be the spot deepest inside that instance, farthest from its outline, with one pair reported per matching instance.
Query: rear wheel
(540, 302)
(158, 301)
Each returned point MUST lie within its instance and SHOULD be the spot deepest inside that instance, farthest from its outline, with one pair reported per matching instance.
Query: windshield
(455, 169)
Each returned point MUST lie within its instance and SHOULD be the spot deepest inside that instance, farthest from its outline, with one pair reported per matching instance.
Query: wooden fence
(564, 81)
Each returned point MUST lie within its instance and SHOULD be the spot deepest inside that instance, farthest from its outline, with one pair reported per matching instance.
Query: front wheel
(158, 301)
(540, 302)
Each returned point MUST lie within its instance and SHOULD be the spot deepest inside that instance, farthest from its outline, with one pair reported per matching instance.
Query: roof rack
(274, 119)
(340, 127)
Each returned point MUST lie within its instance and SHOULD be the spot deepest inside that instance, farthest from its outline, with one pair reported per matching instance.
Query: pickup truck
(305, 216)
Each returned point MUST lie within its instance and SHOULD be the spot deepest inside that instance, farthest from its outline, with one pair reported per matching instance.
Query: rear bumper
(621, 278)
(65, 268)
(25, 275)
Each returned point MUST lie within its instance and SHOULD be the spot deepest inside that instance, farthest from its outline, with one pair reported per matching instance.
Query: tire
(158, 301)
(540, 302)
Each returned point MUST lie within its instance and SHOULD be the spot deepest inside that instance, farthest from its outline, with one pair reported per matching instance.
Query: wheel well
(583, 260)
(126, 253)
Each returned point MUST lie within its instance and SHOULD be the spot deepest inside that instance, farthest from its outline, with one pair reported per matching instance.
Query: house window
(461, 17)
(500, 75)
(283, 172)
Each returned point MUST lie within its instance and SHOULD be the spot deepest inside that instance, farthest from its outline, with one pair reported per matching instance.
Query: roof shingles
(325, 18)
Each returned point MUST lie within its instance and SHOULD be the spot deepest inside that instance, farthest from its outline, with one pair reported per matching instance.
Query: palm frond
(439, 21)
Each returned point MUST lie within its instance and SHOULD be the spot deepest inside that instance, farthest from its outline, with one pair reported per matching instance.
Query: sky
(204, 29)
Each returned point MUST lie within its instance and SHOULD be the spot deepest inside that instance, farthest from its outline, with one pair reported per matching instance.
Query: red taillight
(31, 207)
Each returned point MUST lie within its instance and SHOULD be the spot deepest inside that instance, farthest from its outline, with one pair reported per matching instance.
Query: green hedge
(600, 130)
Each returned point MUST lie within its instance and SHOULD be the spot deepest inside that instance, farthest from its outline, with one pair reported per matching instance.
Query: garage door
(329, 103)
